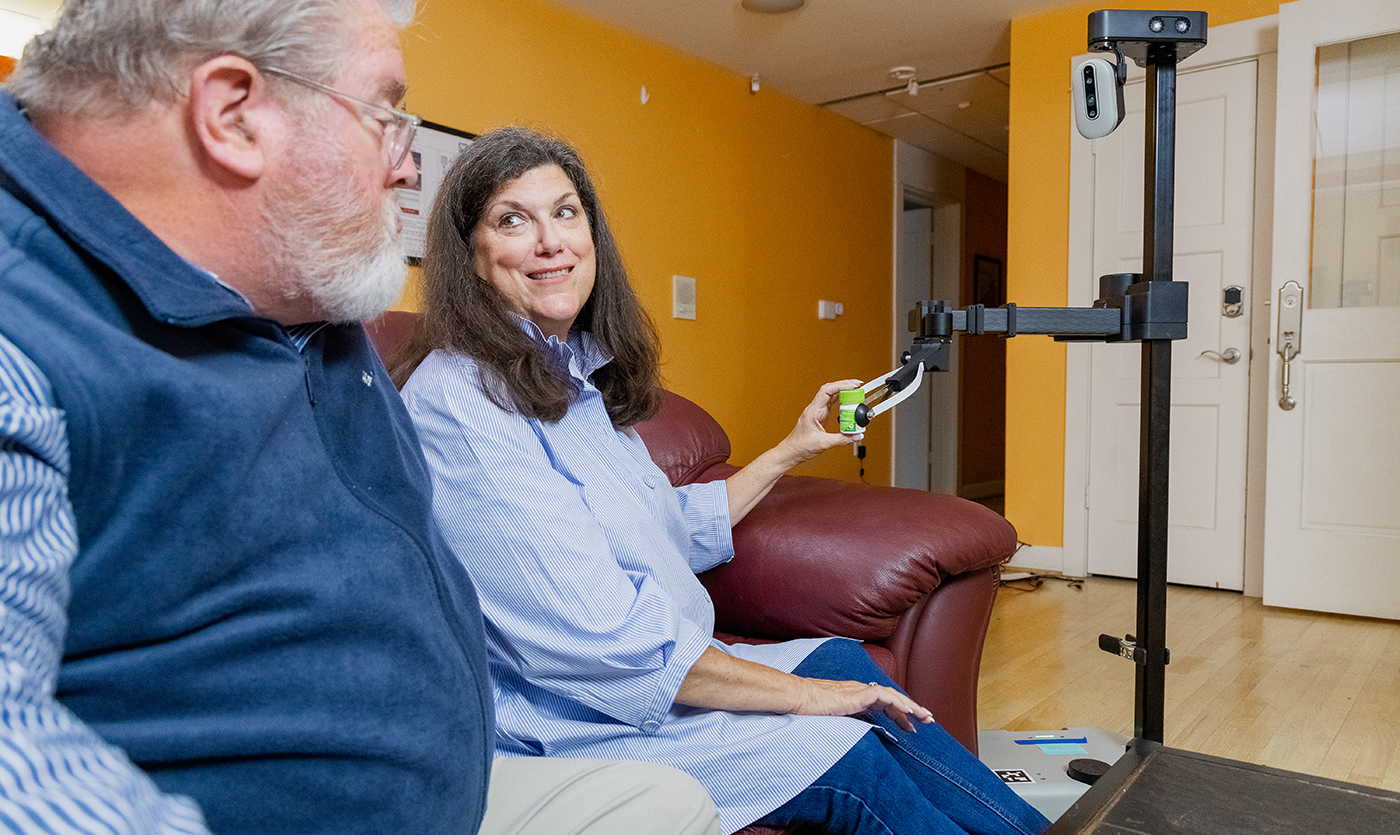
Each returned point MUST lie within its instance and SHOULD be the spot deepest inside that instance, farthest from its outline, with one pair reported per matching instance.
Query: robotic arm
(1128, 309)
(1149, 308)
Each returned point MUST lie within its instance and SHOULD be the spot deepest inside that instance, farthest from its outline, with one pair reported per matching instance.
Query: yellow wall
(1042, 47)
(771, 204)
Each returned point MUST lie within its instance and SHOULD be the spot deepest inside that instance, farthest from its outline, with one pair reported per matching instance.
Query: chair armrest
(824, 557)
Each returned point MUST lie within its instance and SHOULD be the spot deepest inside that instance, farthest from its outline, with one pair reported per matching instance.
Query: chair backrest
(390, 331)
(686, 443)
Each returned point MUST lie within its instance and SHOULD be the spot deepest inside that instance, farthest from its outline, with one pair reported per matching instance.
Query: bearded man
(223, 600)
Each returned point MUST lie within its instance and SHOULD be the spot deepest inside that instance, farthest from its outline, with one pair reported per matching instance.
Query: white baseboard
(1038, 558)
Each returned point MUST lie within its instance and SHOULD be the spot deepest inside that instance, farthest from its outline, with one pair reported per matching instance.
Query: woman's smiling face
(534, 244)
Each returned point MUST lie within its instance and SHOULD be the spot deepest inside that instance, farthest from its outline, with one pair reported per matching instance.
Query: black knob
(1087, 770)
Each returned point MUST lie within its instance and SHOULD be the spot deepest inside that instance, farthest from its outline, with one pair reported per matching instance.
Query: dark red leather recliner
(912, 574)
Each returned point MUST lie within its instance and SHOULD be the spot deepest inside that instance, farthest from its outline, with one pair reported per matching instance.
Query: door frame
(938, 183)
(1248, 40)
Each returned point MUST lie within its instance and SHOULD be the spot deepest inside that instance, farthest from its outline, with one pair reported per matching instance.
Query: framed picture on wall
(988, 288)
(434, 148)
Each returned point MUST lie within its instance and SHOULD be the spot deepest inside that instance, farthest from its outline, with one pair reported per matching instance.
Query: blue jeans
(897, 783)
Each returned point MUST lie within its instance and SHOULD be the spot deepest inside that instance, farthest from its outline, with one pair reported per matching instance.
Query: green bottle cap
(849, 396)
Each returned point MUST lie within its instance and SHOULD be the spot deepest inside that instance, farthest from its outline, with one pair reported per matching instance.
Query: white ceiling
(46, 9)
(839, 53)
(21, 20)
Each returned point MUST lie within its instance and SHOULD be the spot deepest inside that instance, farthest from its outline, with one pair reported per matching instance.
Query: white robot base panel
(1035, 764)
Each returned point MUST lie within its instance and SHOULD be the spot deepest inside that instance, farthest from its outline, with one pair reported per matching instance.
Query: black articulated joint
(1155, 310)
(933, 353)
(931, 319)
(862, 417)
(1113, 286)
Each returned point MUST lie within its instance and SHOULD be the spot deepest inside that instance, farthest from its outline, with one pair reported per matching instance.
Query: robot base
(1035, 764)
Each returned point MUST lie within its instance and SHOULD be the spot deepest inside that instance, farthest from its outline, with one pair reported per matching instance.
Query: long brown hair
(464, 312)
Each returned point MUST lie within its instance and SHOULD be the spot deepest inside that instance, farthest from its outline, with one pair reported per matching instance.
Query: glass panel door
(1356, 175)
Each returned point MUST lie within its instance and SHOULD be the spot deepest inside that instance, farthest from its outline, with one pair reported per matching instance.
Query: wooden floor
(1314, 693)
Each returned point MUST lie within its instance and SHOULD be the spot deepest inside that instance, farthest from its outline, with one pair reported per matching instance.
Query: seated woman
(530, 366)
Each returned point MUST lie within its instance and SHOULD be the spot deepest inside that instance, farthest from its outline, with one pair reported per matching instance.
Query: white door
(1210, 368)
(1332, 523)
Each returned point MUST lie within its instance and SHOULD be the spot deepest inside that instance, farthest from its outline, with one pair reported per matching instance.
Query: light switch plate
(682, 297)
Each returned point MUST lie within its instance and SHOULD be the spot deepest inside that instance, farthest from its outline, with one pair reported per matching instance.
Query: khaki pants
(549, 796)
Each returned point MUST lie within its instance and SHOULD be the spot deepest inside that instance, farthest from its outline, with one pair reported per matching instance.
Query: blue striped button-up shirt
(585, 557)
(56, 775)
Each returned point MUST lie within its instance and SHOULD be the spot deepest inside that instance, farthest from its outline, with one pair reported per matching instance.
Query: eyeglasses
(398, 127)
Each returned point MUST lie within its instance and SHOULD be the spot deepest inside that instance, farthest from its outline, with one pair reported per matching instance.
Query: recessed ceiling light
(772, 6)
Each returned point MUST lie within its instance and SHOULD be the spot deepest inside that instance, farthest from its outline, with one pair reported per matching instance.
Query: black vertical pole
(1159, 197)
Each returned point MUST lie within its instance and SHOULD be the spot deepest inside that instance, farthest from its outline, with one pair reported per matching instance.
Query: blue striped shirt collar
(301, 334)
(581, 353)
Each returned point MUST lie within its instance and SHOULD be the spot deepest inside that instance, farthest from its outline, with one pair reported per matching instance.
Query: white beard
(346, 258)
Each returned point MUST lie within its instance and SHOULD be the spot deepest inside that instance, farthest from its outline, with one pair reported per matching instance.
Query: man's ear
(229, 107)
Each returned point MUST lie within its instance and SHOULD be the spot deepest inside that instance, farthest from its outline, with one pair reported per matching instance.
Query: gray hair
(110, 56)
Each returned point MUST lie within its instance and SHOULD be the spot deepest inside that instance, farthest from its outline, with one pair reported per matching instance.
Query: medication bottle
(846, 416)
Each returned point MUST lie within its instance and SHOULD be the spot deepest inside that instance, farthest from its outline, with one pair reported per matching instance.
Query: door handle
(1230, 357)
(1290, 335)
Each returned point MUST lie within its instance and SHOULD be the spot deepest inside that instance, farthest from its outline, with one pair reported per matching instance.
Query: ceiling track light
(772, 6)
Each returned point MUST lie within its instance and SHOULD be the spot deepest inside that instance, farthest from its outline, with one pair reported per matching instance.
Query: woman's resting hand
(848, 698)
(720, 681)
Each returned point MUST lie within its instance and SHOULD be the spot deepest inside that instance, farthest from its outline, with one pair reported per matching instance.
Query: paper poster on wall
(434, 148)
